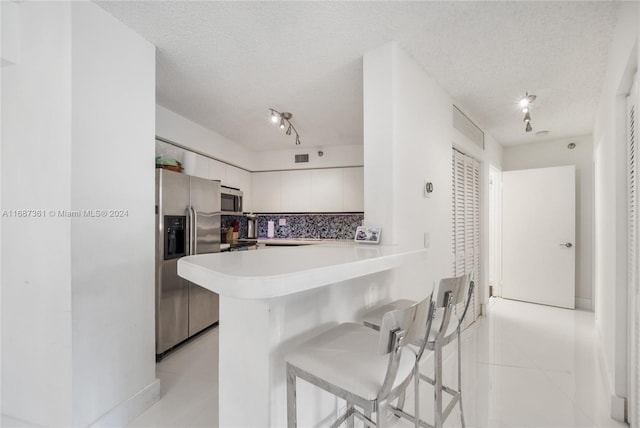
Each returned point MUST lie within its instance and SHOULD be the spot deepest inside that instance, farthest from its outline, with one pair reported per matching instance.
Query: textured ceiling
(224, 64)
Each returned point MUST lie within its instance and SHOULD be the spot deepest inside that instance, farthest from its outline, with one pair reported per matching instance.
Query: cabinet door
(266, 191)
(326, 190)
(233, 177)
(218, 171)
(247, 190)
(296, 191)
(353, 189)
(196, 165)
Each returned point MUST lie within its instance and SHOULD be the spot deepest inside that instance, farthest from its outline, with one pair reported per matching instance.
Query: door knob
(566, 244)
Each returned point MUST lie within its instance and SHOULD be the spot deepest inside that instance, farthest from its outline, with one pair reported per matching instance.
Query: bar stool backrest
(411, 321)
(452, 287)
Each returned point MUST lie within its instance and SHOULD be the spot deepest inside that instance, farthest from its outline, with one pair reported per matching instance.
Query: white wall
(113, 258)
(555, 153)
(36, 165)
(333, 156)
(610, 205)
(78, 293)
(407, 139)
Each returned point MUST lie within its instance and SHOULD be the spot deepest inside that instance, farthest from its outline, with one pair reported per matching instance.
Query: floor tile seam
(576, 404)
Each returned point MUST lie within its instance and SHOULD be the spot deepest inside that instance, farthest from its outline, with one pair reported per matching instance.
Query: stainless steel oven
(230, 201)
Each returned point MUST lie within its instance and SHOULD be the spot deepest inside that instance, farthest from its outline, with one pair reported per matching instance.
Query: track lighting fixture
(285, 119)
(525, 107)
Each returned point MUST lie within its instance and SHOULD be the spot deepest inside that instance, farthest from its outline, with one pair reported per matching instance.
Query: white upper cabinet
(296, 191)
(266, 192)
(246, 185)
(196, 165)
(313, 190)
(217, 170)
(353, 189)
(232, 178)
(326, 190)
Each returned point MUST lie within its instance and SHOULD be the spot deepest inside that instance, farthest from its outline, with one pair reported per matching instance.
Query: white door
(538, 235)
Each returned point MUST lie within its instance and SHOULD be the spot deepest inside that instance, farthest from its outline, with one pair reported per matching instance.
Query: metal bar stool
(365, 368)
(442, 332)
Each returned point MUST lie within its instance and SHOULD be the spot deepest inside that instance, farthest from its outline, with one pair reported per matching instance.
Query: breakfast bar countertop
(283, 271)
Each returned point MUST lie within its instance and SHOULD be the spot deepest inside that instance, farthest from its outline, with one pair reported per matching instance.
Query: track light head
(285, 120)
(527, 117)
(528, 128)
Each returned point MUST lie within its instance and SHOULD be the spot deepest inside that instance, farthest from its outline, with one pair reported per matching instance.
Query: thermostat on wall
(428, 189)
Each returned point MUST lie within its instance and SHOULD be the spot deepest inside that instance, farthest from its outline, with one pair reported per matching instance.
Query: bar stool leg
(437, 386)
(460, 378)
(350, 410)
(382, 416)
(292, 421)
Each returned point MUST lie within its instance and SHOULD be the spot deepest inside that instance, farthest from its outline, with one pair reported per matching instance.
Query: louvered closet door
(633, 254)
(466, 226)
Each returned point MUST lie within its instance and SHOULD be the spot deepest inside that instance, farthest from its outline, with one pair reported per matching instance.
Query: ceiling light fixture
(525, 107)
(285, 119)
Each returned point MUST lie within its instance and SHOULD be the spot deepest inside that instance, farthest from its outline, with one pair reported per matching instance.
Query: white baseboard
(584, 303)
(131, 408)
(618, 408)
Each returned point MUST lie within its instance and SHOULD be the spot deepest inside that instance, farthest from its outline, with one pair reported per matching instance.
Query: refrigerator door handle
(194, 230)
(190, 223)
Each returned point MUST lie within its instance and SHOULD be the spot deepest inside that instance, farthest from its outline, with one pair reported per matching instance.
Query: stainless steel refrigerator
(187, 222)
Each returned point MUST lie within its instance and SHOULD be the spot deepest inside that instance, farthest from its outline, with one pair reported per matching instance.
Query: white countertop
(287, 270)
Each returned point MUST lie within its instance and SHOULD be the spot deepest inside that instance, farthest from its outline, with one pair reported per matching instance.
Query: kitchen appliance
(231, 201)
(187, 222)
(252, 226)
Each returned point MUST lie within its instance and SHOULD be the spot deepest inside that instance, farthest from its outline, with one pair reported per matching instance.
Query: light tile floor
(524, 365)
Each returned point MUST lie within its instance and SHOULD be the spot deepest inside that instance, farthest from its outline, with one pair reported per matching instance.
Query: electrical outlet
(427, 240)
(282, 222)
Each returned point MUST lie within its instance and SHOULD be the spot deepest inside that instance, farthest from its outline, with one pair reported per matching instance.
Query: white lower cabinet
(315, 190)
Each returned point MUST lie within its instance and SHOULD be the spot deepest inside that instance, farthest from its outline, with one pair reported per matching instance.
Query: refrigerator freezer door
(172, 292)
(172, 322)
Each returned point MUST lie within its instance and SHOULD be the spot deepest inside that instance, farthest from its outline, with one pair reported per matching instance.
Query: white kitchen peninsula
(272, 300)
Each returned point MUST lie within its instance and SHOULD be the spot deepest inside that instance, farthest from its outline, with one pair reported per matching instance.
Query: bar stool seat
(451, 291)
(364, 367)
(346, 357)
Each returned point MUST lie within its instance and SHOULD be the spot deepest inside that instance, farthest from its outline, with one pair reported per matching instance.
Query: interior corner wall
(332, 157)
(183, 131)
(610, 204)
(36, 164)
(407, 141)
(112, 255)
(543, 154)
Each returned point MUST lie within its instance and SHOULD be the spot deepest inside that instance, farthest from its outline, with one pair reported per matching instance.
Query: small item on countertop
(229, 234)
(236, 225)
(270, 229)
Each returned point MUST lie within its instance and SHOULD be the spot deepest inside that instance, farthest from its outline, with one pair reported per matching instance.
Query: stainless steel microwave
(230, 200)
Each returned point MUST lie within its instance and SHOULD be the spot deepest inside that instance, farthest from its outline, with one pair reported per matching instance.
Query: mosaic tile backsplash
(319, 226)
(225, 221)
